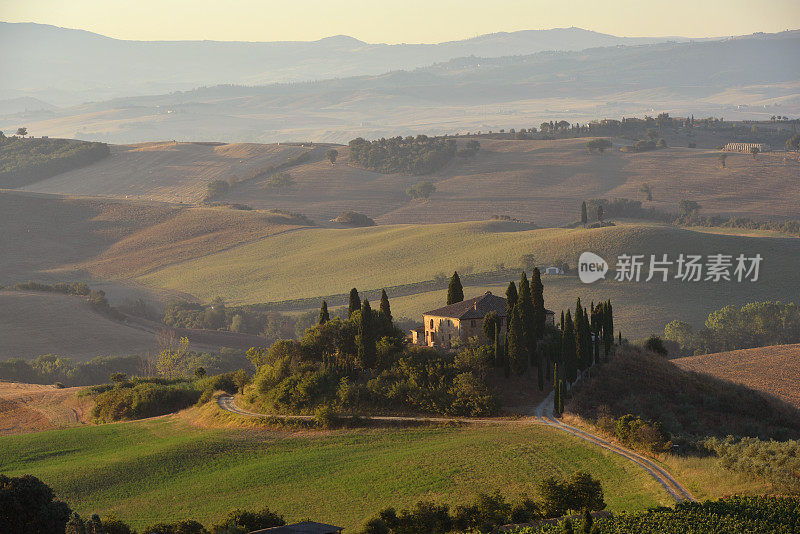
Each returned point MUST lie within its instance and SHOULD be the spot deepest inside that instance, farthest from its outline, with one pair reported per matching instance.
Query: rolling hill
(147, 471)
(32, 324)
(543, 182)
(56, 238)
(167, 171)
(531, 180)
(323, 261)
(33, 407)
(749, 77)
(774, 370)
(92, 67)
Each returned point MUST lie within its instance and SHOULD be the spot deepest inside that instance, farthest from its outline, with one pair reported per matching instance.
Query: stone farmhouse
(462, 320)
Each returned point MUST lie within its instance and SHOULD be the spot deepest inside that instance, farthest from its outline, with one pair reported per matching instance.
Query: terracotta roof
(475, 308)
(305, 527)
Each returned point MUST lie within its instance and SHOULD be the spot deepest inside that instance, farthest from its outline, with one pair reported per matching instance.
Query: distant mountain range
(746, 77)
(66, 66)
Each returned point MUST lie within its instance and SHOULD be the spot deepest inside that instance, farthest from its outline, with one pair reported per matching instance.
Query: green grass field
(315, 262)
(164, 469)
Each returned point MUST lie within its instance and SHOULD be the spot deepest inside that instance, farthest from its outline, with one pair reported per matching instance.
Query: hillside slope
(32, 324)
(774, 370)
(344, 476)
(321, 261)
(540, 181)
(166, 171)
(689, 404)
(33, 407)
(62, 238)
(745, 78)
(92, 67)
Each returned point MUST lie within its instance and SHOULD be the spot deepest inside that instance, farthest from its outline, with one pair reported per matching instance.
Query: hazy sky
(392, 21)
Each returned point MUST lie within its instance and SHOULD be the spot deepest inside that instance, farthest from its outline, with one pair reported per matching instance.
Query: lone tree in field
(754, 151)
(355, 302)
(455, 292)
(584, 216)
(648, 193)
(722, 158)
(332, 154)
(384, 308)
(324, 316)
(366, 337)
(600, 144)
(22, 132)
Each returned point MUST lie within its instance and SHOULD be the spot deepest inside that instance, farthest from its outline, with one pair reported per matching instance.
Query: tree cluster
(25, 161)
(407, 155)
(756, 324)
(580, 492)
(361, 363)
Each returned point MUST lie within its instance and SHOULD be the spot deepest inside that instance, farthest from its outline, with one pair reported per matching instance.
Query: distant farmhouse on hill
(745, 148)
(462, 320)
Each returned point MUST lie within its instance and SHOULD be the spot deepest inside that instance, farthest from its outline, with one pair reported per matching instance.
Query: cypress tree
(537, 294)
(324, 317)
(455, 292)
(489, 325)
(584, 216)
(568, 350)
(366, 337)
(561, 392)
(385, 309)
(498, 356)
(581, 349)
(95, 526)
(511, 299)
(355, 302)
(526, 314)
(562, 320)
(75, 525)
(517, 353)
(586, 527)
(540, 369)
(596, 328)
(555, 388)
(608, 329)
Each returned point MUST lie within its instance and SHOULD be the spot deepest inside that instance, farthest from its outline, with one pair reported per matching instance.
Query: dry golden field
(166, 171)
(774, 370)
(33, 407)
(543, 182)
(63, 238)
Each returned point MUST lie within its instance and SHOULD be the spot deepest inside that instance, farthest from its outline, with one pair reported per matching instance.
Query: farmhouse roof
(474, 308)
(304, 527)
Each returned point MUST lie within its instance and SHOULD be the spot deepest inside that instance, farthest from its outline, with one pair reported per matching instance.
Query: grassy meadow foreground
(148, 471)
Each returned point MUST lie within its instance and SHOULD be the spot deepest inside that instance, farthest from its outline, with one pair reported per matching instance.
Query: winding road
(542, 414)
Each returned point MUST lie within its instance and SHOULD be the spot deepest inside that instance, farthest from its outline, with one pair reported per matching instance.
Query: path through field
(542, 414)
